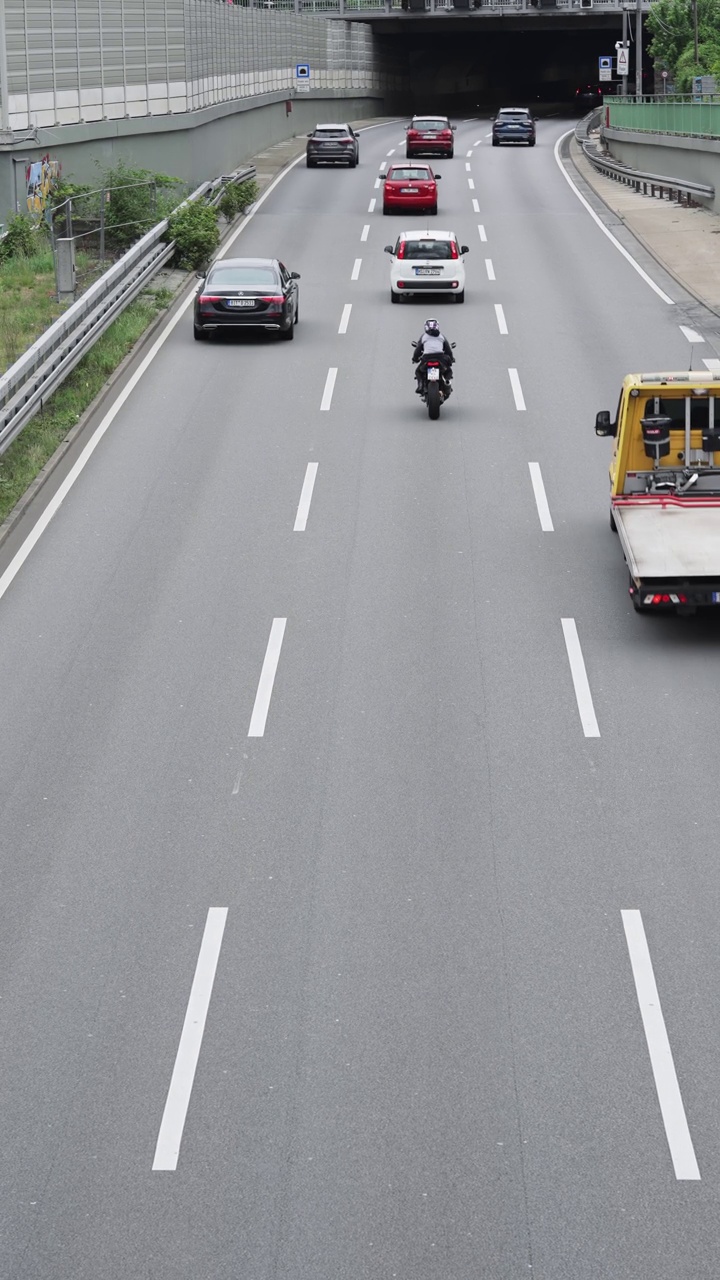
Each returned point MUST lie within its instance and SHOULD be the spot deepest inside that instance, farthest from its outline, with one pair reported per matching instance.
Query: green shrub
(194, 228)
(132, 207)
(20, 241)
(237, 196)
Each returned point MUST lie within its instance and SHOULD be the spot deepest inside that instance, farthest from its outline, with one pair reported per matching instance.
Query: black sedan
(247, 293)
(514, 125)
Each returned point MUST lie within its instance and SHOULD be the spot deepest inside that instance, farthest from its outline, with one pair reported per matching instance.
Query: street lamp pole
(638, 49)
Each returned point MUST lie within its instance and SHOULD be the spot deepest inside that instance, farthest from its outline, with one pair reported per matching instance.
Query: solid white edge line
(267, 679)
(345, 318)
(500, 317)
(517, 390)
(621, 249)
(327, 394)
(371, 206)
(490, 269)
(691, 334)
(167, 1150)
(483, 236)
(356, 269)
(658, 1043)
(306, 494)
(541, 501)
(365, 232)
(580, 680)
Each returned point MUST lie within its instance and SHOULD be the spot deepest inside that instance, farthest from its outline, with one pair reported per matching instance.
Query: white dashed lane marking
(541, 501)
(328, 392)
(661, 1058)
(306, 494)
(345, 318)
(580, 681)
(517, 390)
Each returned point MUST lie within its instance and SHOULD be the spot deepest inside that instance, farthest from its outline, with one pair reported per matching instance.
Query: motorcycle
(433, 382)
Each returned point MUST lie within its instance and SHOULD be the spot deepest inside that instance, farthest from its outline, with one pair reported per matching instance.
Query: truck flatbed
(669, 538)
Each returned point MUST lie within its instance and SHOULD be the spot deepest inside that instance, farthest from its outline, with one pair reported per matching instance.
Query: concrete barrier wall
(688, 159)
(195, 146)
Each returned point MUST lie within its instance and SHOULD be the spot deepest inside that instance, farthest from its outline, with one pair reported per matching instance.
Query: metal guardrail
(650, 184)
(46, 364)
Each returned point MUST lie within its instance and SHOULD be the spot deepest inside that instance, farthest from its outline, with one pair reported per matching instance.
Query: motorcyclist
(433, 343)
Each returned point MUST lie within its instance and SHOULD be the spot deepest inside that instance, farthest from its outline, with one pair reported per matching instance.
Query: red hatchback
(410, 186)
(430, 135)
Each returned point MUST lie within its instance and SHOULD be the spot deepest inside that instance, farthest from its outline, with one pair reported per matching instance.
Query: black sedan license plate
(241, 302)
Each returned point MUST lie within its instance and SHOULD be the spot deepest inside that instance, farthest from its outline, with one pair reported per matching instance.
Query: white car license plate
(434, 375)
(427, 271)
(241, 302)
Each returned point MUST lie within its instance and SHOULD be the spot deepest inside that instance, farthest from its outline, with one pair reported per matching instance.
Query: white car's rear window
(437, 249)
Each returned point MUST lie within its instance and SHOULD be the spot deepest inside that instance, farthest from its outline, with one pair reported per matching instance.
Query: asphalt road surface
(360, 887)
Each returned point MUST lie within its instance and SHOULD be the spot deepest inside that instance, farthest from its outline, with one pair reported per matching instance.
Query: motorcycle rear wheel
(433, 401)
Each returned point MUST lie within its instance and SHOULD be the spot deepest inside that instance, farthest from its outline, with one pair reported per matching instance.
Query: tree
(670, 23)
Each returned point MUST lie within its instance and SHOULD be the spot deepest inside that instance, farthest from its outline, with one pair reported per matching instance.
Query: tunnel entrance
(457, 67)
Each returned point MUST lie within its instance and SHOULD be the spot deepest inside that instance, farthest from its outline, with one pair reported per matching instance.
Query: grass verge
(40, 438)
(28, 304)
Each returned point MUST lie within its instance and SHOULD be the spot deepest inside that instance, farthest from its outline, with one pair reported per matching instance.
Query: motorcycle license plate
(427, 271)
(241, 302)
(434, 374)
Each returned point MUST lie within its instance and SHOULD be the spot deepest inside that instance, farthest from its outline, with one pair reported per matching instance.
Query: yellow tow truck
(665, 488)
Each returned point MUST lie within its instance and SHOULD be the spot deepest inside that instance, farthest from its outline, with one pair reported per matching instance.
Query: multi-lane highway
(359, 859)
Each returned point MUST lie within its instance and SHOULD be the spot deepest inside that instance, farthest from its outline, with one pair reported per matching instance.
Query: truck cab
(665, 488)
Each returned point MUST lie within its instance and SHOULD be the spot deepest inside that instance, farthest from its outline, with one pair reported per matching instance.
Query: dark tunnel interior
(469, 66)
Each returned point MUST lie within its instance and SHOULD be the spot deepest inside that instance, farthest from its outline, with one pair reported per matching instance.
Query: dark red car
(430, 135)
(410, 186)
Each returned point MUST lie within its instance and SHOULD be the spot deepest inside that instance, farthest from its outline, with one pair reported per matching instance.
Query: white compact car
(427, 262)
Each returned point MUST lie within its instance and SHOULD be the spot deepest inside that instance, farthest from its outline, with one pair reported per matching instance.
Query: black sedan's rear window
(243, 278)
